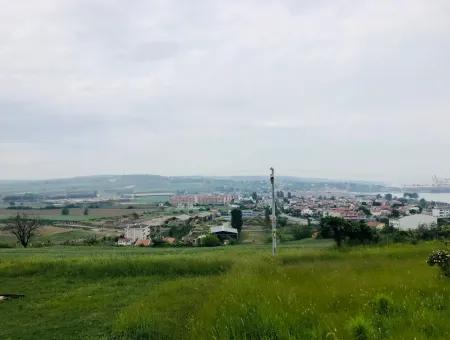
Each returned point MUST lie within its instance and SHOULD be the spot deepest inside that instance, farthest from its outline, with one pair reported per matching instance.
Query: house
(137, 232)
(224, 232)
(376, 225)
(248, 213)
(143, 243)
(441, 212)
(169, 240)
(124, 242)
(412, 222)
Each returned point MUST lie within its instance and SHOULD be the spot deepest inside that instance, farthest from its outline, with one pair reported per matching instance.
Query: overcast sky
(334, 89)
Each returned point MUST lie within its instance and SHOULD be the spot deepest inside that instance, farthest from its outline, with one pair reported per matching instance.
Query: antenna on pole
(274, 217)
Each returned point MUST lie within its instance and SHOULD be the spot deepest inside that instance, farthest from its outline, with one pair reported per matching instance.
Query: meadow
(75, 214)
(310, 290)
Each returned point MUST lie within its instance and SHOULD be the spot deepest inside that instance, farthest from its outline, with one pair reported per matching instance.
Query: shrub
(302, 232)
(211, 241)
(382, 305)
(360, 328)
(91, 241)
(441, 258)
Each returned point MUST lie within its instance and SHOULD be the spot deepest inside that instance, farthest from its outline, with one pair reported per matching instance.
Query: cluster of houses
(189, 201)
(370, 208)
(376, 210)
(146, 232)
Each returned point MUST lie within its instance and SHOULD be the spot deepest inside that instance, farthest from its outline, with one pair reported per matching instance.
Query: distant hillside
(117, 184)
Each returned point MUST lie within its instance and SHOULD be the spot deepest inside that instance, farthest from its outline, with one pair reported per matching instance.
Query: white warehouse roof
(223, 229)
(414, 221)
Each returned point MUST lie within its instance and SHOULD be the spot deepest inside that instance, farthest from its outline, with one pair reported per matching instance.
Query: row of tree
(342, 230)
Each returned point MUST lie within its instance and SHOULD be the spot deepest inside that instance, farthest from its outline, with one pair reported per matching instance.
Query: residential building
(204, 199)
(441, 212)
(137, 232)
(412, 222)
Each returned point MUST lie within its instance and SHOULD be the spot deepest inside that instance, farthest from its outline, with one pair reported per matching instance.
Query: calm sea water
(437, 197)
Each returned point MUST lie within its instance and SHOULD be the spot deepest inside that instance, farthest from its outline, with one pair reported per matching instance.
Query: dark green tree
(267, 215)
(423, 203)
(395, 213)
(236, 219)
(365, 210)
(65, 211)
(255, 196)
(334, 227)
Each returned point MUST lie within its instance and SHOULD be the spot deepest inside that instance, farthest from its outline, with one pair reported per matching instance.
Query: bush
(382, 305)
(301, 233)
(360, 328)
(211, 241)
(441, 258)
(91, 241)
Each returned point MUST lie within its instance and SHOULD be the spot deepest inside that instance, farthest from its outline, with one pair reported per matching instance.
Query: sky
(325, 89)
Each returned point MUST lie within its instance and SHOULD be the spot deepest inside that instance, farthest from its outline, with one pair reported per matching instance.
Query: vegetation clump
(382, 305)
(360, 328)
(441, 258)
(210, 241)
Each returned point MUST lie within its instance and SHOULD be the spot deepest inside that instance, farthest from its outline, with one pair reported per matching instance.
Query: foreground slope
(310, 290)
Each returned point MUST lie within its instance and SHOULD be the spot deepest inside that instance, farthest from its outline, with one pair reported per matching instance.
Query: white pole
(274, 217)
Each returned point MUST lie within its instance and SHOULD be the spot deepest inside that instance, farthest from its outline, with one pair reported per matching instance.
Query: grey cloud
(317, 88)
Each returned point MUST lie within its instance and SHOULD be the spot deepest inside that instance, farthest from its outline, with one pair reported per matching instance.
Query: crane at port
(440, 181)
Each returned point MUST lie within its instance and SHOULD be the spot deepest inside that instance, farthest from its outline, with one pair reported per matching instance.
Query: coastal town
(205, 217)
(211, 214)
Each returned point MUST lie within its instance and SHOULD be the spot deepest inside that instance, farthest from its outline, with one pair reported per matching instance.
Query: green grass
(77, 218)
(309, 291)
(53, 238)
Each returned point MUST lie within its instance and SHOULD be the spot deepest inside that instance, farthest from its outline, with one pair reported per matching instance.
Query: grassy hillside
(310, 290)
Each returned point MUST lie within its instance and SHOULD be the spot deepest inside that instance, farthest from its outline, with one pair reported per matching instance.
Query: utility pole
(274, 217)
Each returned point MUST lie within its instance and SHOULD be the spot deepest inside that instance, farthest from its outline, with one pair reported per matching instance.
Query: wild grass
(238, 292)
(98, 267)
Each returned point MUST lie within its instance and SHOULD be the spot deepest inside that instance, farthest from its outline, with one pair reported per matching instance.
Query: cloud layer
(338, 89)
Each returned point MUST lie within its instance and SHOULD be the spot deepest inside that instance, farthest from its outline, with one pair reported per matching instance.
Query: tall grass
(98, 267)
(361, 293)
(244, 293)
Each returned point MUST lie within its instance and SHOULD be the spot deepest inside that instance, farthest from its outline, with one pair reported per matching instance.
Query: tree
(24, 228)
(210, 241)
(340, 230)
(395, 213)
(255, 196)
(86, 211)
(65, 211)
(301, 232)
(423, 203)
(267, 215)
(236, 219)
(282, 221)
(333, 227)
(388, 197)
(365, 210)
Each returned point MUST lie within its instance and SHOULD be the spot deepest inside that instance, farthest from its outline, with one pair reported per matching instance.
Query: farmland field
(74, 213)
(309, 291)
